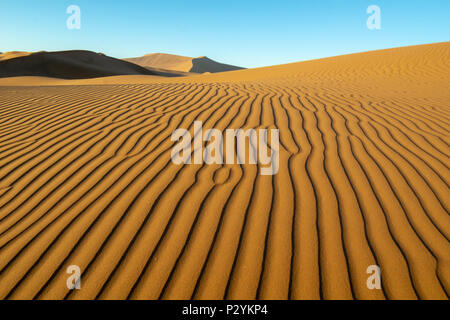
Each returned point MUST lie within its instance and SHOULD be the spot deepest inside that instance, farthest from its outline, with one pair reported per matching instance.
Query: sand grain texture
(86, 179)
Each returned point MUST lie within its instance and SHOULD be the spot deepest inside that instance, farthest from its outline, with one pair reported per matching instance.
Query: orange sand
(86, 179)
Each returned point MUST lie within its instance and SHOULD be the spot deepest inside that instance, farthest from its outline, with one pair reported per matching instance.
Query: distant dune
(86, 179)
(181, 63)
(76, 64)
(13, 54)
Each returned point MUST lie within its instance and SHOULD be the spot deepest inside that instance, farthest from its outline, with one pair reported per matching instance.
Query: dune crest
(74, 64)
(13, 54)
(180, 63)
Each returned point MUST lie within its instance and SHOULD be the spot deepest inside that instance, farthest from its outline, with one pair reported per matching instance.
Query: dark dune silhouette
(74, 64)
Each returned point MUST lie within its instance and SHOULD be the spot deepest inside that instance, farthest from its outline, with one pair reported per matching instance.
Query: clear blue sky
(246, 33)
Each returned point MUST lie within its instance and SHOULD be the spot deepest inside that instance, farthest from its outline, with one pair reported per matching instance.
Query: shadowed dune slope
(76, 64)
(181, 63)
(86, 179)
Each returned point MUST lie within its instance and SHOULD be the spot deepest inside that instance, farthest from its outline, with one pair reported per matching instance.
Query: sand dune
(182, 64)
(86, 179)
(75, 64)
(13, 54)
